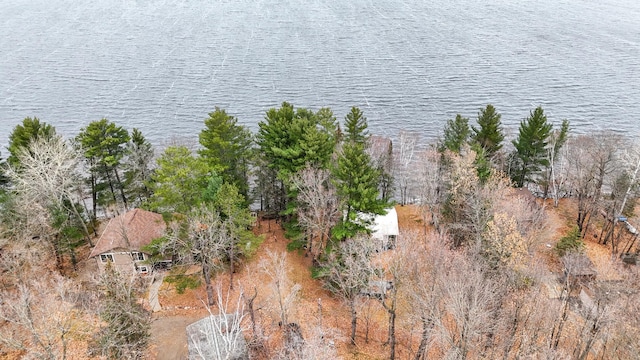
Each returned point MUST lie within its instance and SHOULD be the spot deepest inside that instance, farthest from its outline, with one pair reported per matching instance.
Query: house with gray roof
(122, 241)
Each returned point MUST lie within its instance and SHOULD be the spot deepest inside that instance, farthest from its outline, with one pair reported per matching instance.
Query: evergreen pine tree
(489, 133)
(456, 134)
(356, 179)
(290, 139)
(179, 181)
(227, 148)
(104, 146)
(23, 134)
(530, 155)
(355, 126)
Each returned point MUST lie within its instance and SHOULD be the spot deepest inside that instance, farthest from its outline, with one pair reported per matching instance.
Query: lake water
(162, 65)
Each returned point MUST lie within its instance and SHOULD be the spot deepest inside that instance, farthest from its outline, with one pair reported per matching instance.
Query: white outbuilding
(385, 229)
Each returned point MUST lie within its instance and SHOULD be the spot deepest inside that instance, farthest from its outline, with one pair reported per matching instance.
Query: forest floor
(315, 305)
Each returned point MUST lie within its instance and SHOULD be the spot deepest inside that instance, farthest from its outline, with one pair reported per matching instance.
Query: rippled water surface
(162, 65)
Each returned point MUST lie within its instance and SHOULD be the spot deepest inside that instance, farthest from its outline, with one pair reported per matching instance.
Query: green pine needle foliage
(572, 242)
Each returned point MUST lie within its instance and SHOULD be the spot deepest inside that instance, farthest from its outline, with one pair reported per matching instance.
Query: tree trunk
(124, 198)
(206, 272)
(427, 325)
(391, 310)
(252, 315)
(94, 199)
(354, 320)
(81, 220)
(582, 214)
(392, 334)
(113, 192)
(58, 252)
(232, 250)
(74, 261)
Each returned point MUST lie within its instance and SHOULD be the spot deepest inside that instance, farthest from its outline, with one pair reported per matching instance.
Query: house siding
(122, 262)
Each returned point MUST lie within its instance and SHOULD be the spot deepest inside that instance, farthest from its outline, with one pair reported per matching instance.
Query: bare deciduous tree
(590, 159)
(471, 203)
(46, 183)
(203, 239)
(221, 334)
(403, 162)
(347, 273)
(41, 317)
(319, 208)
(422, 268)
(472, 298)
(504, 244)
(430, 187)
(380, 150)
(286, 293)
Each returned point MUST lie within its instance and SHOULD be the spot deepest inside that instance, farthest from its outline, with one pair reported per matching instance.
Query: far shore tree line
(324, 181)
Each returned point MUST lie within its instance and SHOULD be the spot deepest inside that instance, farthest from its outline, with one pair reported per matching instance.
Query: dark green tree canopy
(227, 148)
(456, 134)
(104, 144)
(179, 181)
(290, 138)
(489, 133)
(356, 178)
(355, 126)
(531, 147)
(23, 134)
(104, 141)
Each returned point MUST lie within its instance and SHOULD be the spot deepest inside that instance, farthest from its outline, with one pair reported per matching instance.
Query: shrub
(571, 242)
(182, 282)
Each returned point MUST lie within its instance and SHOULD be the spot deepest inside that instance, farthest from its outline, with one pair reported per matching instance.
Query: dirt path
(154, 304)
(169, 339)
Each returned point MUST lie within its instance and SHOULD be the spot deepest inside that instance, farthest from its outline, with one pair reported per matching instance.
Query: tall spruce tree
(530, 154)
(355, 126)
(488, 134)
(227, 148)
(356, 179)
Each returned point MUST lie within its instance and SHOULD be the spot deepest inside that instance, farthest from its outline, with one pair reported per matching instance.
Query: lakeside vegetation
(471, 281)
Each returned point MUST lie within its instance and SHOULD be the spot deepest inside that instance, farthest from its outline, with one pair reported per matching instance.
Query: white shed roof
(385, 224)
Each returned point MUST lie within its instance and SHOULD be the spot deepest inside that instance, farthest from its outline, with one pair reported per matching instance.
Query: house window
(143, 269)
(106, 257)
(137, 256)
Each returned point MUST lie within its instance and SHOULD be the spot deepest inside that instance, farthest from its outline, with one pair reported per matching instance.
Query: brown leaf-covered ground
(315, 305)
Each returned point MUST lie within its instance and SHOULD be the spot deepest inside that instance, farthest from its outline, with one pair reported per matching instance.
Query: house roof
(385, 224)
(131, 230)
(576, 264)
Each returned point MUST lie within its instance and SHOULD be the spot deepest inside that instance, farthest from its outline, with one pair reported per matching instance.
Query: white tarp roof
(385, 225)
